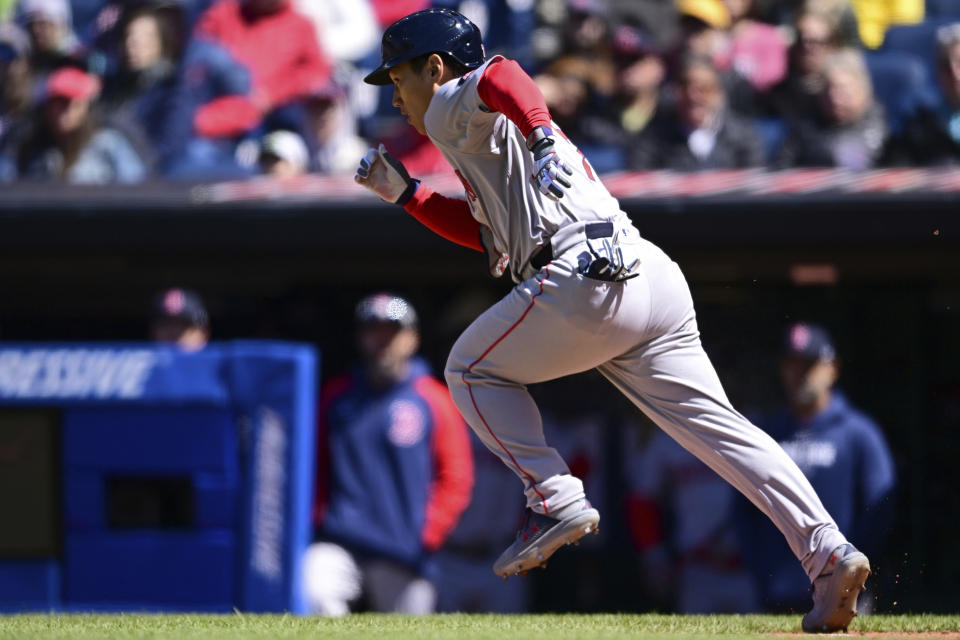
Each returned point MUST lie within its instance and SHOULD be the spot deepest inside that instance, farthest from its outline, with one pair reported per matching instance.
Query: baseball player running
(590, 293)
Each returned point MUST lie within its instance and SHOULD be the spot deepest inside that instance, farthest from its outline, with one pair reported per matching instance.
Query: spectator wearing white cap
(283, 154)
(49, 24)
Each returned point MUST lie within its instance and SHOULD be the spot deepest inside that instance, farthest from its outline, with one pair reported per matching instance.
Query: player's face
(386, 347)
(183, 334)
(806, 381)
(412, 92)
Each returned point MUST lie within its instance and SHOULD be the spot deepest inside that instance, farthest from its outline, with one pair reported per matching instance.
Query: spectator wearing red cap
(69, 143)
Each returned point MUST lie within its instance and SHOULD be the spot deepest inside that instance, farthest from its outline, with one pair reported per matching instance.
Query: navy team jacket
(394, 467)
(847, 460)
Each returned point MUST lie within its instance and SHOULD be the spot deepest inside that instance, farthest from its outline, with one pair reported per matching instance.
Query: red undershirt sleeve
(331, 392)
(447, 217)
(505, 87)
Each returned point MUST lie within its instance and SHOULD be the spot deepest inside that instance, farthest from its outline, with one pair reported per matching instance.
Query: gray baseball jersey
(640, 333)
(490, 156)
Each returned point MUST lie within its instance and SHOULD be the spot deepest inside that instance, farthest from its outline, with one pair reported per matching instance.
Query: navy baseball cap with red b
(429, 31)
(809, 341)
(386, 307)
(180, 304)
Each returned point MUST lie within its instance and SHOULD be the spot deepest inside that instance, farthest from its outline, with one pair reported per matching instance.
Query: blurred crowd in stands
(121, 91)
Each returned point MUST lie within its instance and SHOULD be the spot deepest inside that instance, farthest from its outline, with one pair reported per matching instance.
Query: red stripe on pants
(463, 377)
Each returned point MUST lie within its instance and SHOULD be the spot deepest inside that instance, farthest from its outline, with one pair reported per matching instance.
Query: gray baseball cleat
(835, 591)
(540, 536)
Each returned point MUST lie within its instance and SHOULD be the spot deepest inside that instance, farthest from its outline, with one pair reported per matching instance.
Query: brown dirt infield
(942, 635)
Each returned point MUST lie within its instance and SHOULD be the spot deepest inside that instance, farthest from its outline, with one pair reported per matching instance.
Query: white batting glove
(548, 167)
(385, 176)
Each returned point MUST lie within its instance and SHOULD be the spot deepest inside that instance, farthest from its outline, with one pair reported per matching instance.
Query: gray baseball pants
(642, 335)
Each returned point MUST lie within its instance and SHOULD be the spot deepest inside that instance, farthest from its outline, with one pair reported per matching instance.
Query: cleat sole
(845, 591)
(537, 554)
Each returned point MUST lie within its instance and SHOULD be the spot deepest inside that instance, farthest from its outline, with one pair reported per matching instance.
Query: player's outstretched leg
(671, 379)
(835, 591)
(540, 536)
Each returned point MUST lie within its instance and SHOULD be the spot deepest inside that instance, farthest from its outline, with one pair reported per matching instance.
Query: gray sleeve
(457, 117)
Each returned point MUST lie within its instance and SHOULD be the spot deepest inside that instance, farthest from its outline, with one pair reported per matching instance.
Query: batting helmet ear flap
(428, 31)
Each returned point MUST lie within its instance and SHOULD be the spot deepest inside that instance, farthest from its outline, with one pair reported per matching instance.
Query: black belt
(592, 230)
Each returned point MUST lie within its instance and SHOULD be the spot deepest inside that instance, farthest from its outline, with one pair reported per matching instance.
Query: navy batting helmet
(428, 31)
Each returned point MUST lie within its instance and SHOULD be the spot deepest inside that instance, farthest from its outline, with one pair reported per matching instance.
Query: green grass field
(450, 627)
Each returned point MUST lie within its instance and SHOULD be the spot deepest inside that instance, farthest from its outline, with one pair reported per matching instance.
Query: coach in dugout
(179, 317)
(840, 450)
(394, 472)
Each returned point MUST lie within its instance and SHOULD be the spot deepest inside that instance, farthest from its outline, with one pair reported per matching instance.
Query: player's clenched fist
(385, 176)
(548, 167)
